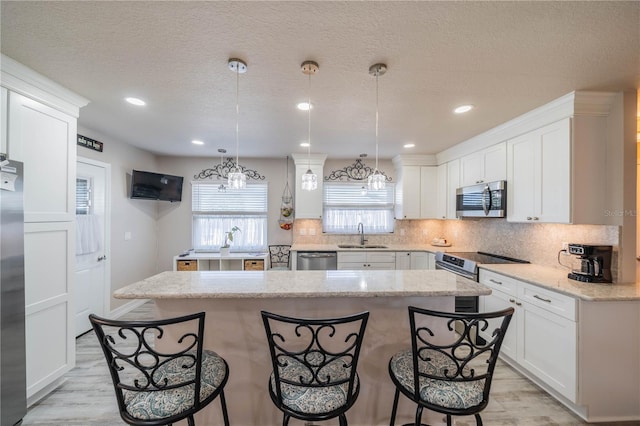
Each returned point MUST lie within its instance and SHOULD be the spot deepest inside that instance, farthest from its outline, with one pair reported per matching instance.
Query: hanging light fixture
(237, 179)
(309, 179)
(222, 151)
(377, 180)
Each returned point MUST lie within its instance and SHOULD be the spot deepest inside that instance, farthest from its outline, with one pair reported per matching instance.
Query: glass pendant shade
(309, 181)
(237, 180)
(376, 181)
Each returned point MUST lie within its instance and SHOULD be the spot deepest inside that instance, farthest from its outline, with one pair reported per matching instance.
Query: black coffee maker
(594, 263)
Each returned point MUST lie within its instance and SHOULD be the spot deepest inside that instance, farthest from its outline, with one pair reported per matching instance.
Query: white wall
(174, 220)
(134, 259)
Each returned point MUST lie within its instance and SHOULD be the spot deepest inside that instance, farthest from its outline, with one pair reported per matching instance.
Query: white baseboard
(126, 308)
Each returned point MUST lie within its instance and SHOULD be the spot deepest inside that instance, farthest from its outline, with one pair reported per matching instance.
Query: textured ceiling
(504, 57)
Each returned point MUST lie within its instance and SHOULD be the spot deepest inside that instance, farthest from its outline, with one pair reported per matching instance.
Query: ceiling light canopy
(237, 179)
(377, 180)
(463, 108)
(135, 101)
(309, 179)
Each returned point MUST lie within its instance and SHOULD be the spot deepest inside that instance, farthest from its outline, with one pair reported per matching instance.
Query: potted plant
(228, 238)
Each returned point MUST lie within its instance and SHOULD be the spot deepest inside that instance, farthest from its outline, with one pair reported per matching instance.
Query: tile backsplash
(537, 243)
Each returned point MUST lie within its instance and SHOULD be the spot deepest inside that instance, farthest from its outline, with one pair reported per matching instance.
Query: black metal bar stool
(314, 375)
(159, 387)
(447, 371)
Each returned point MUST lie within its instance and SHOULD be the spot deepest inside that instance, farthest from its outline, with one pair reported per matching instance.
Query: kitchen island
(233, 300)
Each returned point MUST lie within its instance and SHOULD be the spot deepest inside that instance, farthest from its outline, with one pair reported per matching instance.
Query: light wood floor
(87, 399)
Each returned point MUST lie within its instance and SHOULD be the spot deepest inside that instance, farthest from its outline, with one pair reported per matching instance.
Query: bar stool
(160, 387)
(444, 371)
(314, 375)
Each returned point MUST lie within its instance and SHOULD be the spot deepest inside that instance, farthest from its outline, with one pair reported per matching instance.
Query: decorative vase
(224, 251)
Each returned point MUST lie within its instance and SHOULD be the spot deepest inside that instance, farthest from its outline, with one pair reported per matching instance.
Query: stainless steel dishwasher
(317, 260)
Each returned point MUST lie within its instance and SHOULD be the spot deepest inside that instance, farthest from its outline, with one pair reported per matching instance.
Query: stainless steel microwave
(482, 200)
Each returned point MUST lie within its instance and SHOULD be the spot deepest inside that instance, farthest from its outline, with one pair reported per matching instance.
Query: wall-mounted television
(156, 186)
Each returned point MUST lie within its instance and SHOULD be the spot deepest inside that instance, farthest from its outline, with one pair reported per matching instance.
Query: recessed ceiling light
(304, 144)
(304, 106)
(197, 142)
(409, 145)
(463, 108)
(135, 101)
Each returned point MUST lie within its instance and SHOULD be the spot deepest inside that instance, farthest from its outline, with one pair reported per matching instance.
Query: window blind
(345, 206)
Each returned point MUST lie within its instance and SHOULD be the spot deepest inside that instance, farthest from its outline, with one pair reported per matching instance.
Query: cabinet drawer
(187, 265)
(551, 301)
(254, 265)
(382, 257)
(352, 256)
(499, 282)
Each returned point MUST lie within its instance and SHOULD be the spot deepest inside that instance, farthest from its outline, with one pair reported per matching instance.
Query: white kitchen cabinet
(359, 260)
(539, 175)
(416, 191)
(544, 184)
(487, 165)
(448, 180)
(414, 260)
(41, 132)
(542, 335)
(4, 107)
(408, 193)
(428, 192)
(308, 204)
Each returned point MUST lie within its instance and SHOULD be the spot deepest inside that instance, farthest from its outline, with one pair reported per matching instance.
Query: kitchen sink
(366, 246)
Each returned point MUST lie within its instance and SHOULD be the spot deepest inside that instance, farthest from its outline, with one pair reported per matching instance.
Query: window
(83, 196)
(345, 206)
(215, 213)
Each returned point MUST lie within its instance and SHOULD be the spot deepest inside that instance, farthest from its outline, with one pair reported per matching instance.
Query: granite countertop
(556, 279)
(388, 247)
(271, 284)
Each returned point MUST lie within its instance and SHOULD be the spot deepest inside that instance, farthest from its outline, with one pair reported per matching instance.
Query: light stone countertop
(278, 284)
(556, 279)
(388, 247)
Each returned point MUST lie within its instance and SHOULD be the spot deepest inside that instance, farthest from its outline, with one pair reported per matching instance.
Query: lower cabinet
(415, 260)
(215, 262)
(358, 260)
(542, 335)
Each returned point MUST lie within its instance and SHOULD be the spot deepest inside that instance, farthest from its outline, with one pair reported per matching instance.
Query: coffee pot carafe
(594, 263)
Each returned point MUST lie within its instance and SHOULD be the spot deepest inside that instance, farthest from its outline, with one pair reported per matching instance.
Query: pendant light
(237, 179)
(222, 151)
(377, 180)
(309, 179)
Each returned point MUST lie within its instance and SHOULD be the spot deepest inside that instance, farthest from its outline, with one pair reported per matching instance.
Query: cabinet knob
(512, 300)
(528, 217)
(518, 304)
(535, 218)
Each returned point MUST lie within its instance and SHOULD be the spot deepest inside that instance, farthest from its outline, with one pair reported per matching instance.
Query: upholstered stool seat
(449, 394)
(173, 402)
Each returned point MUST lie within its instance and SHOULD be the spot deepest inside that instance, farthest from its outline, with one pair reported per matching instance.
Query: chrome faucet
(361, 232)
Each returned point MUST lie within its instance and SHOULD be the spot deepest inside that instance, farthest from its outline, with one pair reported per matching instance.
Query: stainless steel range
(466, 265)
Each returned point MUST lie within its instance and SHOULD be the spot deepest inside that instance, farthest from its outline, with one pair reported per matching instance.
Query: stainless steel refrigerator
(13, 402)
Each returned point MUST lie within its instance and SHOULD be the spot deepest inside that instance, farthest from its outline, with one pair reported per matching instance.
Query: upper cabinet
(308, 204)
(487, 165)
(557, 173)
(448, 180)
(539, 175)
(416, 191)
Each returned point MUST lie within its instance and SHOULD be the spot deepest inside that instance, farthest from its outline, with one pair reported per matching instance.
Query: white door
(92, 223)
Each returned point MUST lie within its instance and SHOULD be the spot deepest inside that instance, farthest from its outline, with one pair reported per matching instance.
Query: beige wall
(134, 259)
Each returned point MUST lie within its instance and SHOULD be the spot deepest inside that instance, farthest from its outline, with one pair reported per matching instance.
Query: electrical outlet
(303, 231)
(565, 247)
(402, 232)
(312, 231)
